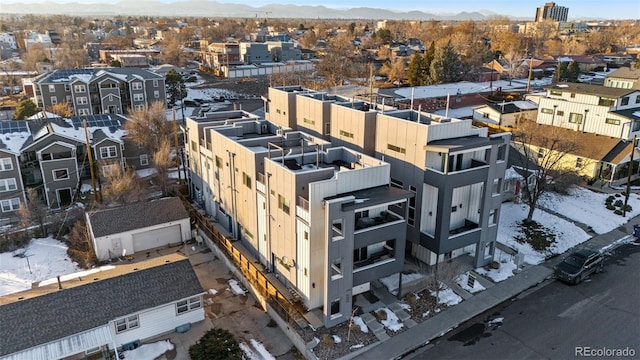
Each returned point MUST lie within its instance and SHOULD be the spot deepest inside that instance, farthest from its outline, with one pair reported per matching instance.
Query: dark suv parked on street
(577, 266)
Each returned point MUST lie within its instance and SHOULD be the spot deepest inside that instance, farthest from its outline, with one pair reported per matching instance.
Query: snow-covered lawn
(256, 351)
(43, 259)
(588, 207)
(505, 271)
(447, 297)
(391, 322)
(567, 233)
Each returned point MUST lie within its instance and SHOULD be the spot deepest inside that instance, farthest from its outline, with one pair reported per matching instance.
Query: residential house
(454, 169)
(323, 218)
(282, 51)
(51, 155)
(590, 108)
(506, 113)
(94, 314)
(138, 227)
(12, 192)
(623, 78)
(98, 91)
(255, 53)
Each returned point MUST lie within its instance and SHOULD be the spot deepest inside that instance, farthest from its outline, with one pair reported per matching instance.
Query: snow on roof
(43, 115)
(79, 135)
(525, 105)
(459, 113)
(13, 142)
(86, 78)
(511, 173)
(461, 88)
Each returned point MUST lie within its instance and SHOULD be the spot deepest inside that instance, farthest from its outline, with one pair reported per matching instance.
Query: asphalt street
(557, 321)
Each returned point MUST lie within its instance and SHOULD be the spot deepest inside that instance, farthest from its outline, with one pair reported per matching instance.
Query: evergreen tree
(561, 72)
(25, 109)
(414, 72)
(175, 86)
(446, 66)
(573, 71)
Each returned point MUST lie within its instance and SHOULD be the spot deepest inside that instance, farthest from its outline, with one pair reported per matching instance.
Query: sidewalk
(445, 321)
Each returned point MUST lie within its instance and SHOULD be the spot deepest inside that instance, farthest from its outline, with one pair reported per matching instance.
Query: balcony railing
(468, 225)
(384, 218)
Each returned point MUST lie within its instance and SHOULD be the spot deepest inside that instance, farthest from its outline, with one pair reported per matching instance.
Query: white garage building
(138, 227)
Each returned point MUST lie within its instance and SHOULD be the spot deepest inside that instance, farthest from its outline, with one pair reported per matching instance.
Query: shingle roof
(588, 145)
(625, 73)
(136, 216)
(59, 313)
(582, 88)
(63, 75)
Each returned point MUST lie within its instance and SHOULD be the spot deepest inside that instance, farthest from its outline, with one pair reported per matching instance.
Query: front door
(64, 197)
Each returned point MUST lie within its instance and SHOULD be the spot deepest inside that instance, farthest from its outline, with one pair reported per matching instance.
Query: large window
(246, 180)
(336, 269)
(605, 101)
(283, 204)
(411, 220)
(6, 164)
(82, 100)
(575, 118)
(138, 97)
(10, 205)
(136, 85)
(108, 152)
(127, 323)
(188, 305)
(61, 174)
(8, 184)
(79, 88)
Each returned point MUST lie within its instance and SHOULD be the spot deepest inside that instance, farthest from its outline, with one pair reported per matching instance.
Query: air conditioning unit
(264, 128)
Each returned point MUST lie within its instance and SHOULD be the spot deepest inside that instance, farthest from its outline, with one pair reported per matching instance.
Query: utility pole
(96, 196)
(530, 73)
(175, 139)
(626, 194)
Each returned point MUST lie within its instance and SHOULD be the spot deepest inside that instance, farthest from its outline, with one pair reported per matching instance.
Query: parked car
(191, 103)
(577, 266)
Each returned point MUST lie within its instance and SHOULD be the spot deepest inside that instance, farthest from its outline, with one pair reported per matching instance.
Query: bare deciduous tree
(544, 151)
(123, 186)
(34, 212)
(162, 161)
(62, 109)
(148, 127)
(80, 246)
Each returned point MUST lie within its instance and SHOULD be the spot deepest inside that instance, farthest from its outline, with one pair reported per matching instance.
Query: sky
(611, 9)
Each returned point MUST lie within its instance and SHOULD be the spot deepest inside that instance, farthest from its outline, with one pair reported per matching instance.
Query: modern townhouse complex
(50, 155)
(323, 218)
(454, 169)
(98, 91)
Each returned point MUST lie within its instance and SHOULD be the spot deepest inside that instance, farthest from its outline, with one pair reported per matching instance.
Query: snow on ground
(507, 266)
(567, 233)
(447, 297)
(391, 282)
(336, 339)
(588, 207)
(235, 287)
(357, 320)
(145, 173)
(47, 258)
(391, 322)
(462, 281)
(148, 351)
(262, 351)
(212, 291)
(249, 354)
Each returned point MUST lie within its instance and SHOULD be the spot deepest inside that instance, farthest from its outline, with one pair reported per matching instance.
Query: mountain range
(205, 8)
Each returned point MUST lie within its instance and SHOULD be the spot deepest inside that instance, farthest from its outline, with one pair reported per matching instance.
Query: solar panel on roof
(12, 126)
(100, 120)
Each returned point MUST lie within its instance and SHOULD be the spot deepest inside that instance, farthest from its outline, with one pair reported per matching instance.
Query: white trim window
(52, 88)
(8, 184)
(156, 94)
(82, 100)
(67, 88)
(138, 97)
(136, 85)
(10, 205)
(79, 88)
(144, 159)
(60, 174)
(54, 100)
(138, 107)
(6, 164)
(83, 112)
(155, 83)
(127, 323)
(188, 305)
(107, 152)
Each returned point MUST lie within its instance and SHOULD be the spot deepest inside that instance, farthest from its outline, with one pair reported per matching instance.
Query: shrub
(609, 199)
(610, 207)
(494, 265)
(381, 315)
(216, 344)
(618, 212)
(327, 339)
(618, 203)
(627, 208)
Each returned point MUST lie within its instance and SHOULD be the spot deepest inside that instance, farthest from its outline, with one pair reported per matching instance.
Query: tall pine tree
(446, 66)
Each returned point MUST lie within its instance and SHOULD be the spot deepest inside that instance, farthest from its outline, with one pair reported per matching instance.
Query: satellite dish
(285, 260)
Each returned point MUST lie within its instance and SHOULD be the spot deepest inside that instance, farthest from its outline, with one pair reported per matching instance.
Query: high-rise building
(551, 11)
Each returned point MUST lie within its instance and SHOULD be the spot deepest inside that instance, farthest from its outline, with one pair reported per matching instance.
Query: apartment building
(98, 91)
(323, 218)
(255, 53)
(283, 51)
(551, 11)
(624, 78)
(454, 169)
